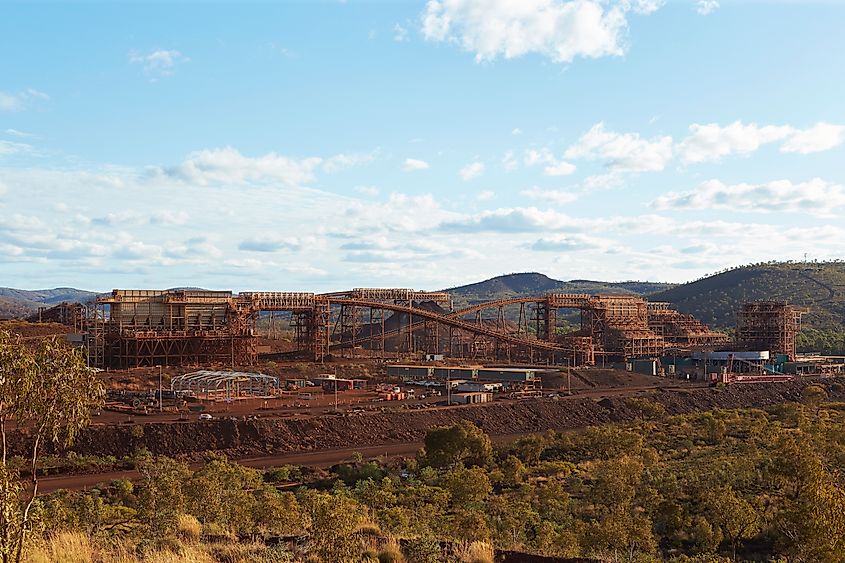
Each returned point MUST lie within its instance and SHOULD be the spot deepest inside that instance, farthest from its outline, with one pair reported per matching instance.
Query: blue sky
(326, 145)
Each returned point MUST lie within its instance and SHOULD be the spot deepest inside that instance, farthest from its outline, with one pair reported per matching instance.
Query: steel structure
(225, 384)
(66, 313)
(133, 328)
(682, 331)
(769, 325)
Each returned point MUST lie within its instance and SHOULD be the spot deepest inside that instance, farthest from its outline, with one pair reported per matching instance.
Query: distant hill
(716, 299)
(533, 283)
(20, 302)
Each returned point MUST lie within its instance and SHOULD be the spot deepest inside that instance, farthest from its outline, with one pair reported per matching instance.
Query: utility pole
(448, 387)
(160, 398)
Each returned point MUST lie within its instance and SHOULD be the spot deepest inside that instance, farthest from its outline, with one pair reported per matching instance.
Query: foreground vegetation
(712, 486)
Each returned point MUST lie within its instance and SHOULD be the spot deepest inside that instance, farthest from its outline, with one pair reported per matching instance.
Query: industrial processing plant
(139, 328)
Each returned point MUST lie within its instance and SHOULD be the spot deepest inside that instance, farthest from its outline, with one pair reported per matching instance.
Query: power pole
(160, 398)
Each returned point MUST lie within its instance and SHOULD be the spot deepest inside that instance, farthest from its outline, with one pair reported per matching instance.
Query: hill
(819, 286)
(533, 283)
(16, 303)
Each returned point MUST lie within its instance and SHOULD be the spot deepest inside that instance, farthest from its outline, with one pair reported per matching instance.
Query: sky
(318, 146)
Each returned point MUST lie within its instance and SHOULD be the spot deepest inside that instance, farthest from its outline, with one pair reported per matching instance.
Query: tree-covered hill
(533, 283)
(819, 286)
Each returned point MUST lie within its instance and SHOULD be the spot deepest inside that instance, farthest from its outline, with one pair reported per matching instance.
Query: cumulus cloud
(558, 197)
(412, 164)
(485, 195)
(158, 62)
(558, 29)
(552, 166)
(711, 142)
(622, 152)
(821, 137)
(17, 101)
(815, 196)
(509, 220)
(705, 7)
(472, 170)
(271, 244)
(229, 166)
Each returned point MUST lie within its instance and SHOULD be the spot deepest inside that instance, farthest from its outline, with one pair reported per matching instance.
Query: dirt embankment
(240, 438)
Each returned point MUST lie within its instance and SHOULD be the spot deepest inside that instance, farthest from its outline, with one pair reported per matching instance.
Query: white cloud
(705, 7)
(568, 243)
(816, 196)
(400, 34)
(509, 162)
(168, 217)
(341, 161)
(554, 167)
(485, 195)
(509, 220)
(559, 169)
(821, 137)
(412, 164)
(558, 197)
(10, 147)
(367, 190)
(471, 170)
(604, 181)
(622, 152)
(271, 244)
(159, 62)
(558, 29)
(17, 101)
(516, 131)
(228, 166)
(16, 133)
(534, 157)
(711, 141)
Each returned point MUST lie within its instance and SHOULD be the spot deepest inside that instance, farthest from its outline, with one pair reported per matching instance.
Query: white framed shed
(224, 385)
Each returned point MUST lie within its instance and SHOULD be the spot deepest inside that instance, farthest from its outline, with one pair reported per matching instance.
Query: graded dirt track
(329, 439)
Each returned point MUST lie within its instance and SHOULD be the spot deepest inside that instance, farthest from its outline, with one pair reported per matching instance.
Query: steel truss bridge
(130, 328)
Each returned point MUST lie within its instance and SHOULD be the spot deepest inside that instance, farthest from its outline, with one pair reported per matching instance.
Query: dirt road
(325, 458)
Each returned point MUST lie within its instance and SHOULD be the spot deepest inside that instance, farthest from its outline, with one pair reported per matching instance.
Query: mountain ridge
(714, 299)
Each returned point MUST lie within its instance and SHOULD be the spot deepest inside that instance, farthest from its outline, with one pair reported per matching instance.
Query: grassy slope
(715, 299)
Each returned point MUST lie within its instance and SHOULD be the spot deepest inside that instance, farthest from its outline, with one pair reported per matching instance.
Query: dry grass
(391, 553)
(475, 552)
(189, 528)
(76, 547)
(64, 547)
